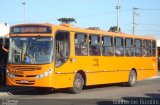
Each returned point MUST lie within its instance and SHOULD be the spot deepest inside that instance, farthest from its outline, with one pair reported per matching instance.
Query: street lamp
(24, 3)
(118, 8)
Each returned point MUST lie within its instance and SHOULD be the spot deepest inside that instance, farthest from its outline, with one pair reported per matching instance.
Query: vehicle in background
(4, 31)
(158, 48)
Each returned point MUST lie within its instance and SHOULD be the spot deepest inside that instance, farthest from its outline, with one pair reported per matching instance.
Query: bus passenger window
(129, 50)
(62, 47)
(94, 45)
(154, 48)
(119, 49)
(107, 46)
(146, 48)
(81, 47)
(138, 47)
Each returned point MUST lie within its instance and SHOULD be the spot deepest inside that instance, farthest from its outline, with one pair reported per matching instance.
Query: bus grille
(26, 75)
(26, 68)
(31, 82)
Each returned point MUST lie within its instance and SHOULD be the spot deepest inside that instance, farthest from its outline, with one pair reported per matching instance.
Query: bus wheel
(77, 84)
(132, 78)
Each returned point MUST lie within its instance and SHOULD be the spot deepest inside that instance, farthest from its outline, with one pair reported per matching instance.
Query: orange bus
(62, 56)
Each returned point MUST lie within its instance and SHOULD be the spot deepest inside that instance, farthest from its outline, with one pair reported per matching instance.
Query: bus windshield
(31, 50)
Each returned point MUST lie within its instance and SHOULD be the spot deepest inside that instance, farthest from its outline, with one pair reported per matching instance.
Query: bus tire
(77, 84)
(132, 78)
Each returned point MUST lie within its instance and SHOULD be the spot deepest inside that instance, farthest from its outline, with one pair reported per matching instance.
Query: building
(4, 29)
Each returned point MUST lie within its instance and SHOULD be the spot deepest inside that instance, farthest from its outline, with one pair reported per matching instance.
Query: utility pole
(24, 3)
(118, 8)
(134, 14)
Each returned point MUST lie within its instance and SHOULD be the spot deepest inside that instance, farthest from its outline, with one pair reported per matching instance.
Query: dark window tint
(107, 46)
(138, 47)
(129, 42)
(129, 50)
(153, 48)
(94, 45)
(146, 48)
(62, 47)
(107, 41)
(81, 47)
(118, 42)
(119, 49)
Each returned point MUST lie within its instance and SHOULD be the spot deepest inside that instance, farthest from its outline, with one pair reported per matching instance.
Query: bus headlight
(10, 74)
(45, 74)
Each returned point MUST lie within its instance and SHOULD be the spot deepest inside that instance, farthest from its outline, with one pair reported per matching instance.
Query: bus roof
(69, 27)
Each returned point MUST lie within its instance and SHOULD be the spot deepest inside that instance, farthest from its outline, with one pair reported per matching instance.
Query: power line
(100, 14)
(149, 9)
(145, 24)
(144, 30)
(106, 13)
(134, 14)
(93, 15)
(156, 25)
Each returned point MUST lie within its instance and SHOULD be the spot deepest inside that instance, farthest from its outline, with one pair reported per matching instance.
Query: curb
(155, 77)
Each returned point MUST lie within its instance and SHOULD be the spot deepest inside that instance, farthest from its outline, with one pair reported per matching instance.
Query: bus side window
(81, 46)
(107, 46)
(138, 47)
(154, 48)
(146, 48)
(94, 45)
(129, 50)
(62, 47)
(119, 48)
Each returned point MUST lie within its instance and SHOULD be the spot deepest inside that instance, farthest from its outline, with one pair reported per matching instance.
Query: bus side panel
(63, 80)
(64, 75)
(145, 67)
(114, 69)
(103, 70)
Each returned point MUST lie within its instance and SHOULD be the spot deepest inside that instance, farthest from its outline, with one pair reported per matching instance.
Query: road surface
(144, 92)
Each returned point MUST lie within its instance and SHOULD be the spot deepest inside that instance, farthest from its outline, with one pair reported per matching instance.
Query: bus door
(63, 65)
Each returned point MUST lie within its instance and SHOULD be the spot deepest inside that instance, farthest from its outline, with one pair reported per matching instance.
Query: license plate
(23, 81)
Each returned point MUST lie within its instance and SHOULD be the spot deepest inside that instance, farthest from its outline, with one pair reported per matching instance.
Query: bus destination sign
(30, 29)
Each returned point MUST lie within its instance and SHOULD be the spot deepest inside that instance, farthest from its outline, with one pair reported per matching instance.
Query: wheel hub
(77, 83)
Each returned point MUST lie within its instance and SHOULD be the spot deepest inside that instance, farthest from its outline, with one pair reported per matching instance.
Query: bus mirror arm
(3, 43)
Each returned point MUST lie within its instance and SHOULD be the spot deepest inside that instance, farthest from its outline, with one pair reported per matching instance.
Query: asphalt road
(94, 95)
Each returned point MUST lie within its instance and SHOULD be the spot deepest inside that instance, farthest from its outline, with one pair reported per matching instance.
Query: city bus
(64, 56)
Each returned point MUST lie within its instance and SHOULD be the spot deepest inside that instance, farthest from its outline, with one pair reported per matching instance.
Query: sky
(88, 13)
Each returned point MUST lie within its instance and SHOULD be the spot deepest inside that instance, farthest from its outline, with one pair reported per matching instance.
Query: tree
(66, 20)
(114, 29)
